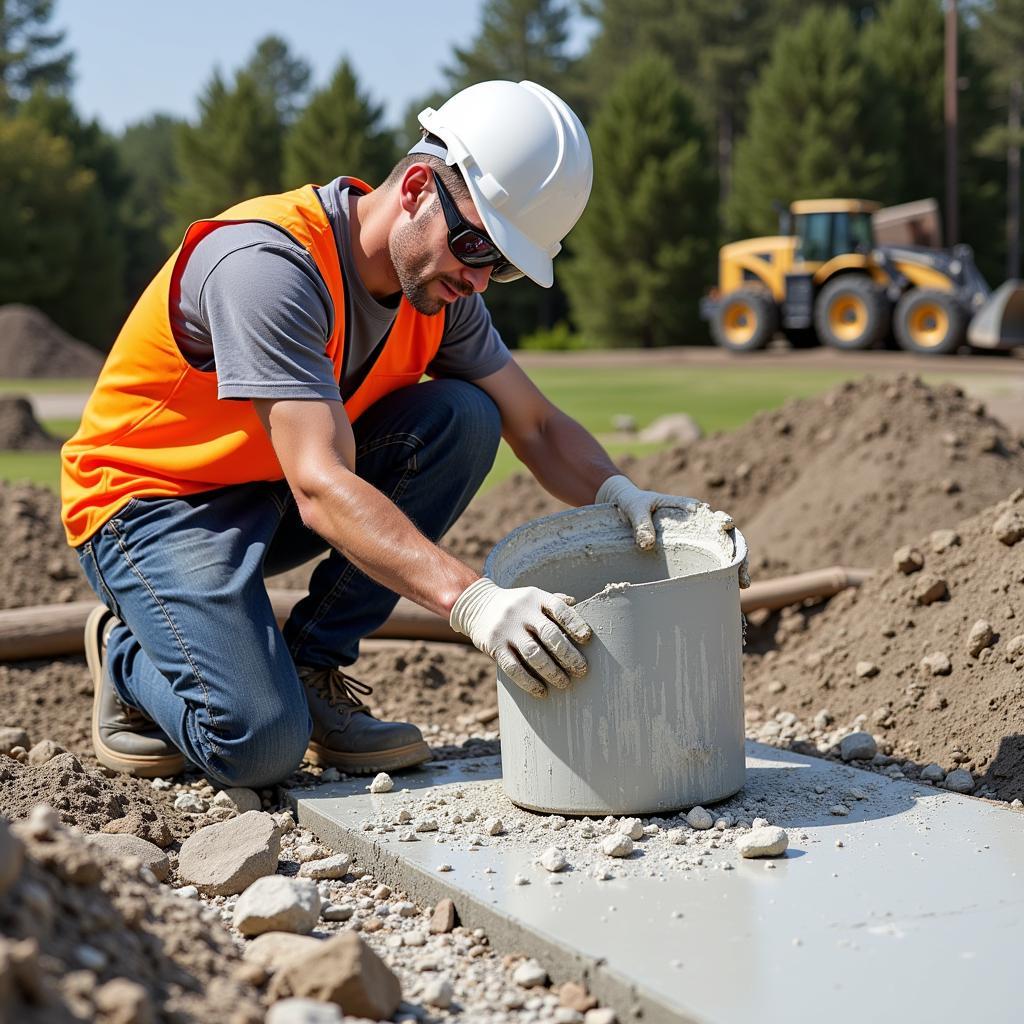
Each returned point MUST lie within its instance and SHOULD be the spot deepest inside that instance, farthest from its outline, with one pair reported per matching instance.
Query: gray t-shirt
(255, 309)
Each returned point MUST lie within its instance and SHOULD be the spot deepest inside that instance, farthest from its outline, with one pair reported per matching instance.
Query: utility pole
(952, 189)
(1013, 184)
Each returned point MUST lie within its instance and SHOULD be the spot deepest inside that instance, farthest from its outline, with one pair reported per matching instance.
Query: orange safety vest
(154, 427)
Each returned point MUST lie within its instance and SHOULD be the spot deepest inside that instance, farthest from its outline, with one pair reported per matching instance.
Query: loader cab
(827, 228)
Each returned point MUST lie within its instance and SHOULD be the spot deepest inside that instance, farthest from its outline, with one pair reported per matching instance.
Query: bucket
(656, 724)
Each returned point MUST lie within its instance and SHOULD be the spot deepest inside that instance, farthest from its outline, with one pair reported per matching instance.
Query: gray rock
(303, 1011)
(337, 911)
(766, 841)
(274, 950)
(700, 819)
(1009, 527)
(936, 664)
(342, 970)
(960, 781)
(858, 746)
(438, 992)
(278, 904)
(12, 736)
(933, 773)
(43, 751)
(225, 858)
(239, 798)
(677, 428)
(981, 636)
(329, 867)
(126, 845)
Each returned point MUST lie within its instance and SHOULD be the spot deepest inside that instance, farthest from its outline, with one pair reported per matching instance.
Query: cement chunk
(225, 858)
(552, 859)
(382, 783)
(328, 867)
(631, 827)
(126, 845)
(767, 841)
(342, 970)
(278, 904)
(618, 844)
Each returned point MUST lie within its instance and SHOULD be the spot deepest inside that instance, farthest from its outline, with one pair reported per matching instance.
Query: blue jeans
(200, 651)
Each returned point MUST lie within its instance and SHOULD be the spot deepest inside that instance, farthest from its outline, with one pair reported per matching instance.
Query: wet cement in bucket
(657, 722)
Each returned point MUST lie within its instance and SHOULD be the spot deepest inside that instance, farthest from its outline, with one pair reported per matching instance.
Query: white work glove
(637, 506)
(524, 626)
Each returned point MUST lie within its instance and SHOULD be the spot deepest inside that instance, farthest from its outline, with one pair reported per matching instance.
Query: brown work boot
(124, 739)
(346, 735)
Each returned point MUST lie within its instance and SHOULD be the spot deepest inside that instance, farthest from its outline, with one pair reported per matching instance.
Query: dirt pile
(928, 655)
(32, 345)
(88, 937)
(841, 478)
(19, 428)
(38, 567)
(87, 799)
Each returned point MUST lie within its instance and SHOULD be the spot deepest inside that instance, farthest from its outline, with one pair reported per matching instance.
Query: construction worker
(262, 405)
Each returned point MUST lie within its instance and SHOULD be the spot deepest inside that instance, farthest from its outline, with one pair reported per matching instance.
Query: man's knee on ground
(259, 754)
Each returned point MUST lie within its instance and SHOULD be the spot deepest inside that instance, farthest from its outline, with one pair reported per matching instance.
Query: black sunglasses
(470, 245)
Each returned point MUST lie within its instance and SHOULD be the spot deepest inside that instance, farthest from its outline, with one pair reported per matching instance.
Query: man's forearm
(567, 460)
(380, 540)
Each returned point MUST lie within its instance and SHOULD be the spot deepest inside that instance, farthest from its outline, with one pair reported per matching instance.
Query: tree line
(705, 118)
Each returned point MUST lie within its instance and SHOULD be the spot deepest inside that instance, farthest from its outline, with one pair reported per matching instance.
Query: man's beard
(409, 264)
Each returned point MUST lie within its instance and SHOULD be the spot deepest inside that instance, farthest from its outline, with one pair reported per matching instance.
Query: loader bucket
(1000, 322)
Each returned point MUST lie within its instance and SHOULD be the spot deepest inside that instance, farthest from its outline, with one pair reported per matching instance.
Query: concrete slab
(917, 915)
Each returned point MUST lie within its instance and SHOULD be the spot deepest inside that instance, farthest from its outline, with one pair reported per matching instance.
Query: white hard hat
(526, 159)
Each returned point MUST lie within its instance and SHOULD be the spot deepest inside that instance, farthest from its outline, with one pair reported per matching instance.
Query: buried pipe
(51, 630)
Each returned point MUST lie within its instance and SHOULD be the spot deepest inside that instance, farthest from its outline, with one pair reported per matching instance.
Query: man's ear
(416, 189)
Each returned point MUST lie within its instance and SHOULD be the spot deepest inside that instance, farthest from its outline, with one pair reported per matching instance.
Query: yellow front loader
(829, 282)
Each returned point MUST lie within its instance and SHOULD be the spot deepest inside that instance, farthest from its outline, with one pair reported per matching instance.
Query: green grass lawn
(719, 398)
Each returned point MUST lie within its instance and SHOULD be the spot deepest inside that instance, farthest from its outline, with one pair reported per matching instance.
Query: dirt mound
(84, 937)
(32, 345)
(38, 566)
(87, 799)
(843, 477)
(931, 654)
(19, 428)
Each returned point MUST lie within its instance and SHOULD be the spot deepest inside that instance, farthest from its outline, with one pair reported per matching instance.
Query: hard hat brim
(533, 261)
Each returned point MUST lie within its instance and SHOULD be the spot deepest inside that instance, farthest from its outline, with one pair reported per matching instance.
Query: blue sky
(136, 57)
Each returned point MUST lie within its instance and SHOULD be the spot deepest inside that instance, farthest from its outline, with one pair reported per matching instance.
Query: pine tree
(519, 39)
(644, 249)
(29, 52)
(818, 125)
(1001, 44)
(280, 74)
(339, 132)
(233, 153)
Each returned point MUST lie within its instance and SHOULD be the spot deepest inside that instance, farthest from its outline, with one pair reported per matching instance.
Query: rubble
(225, 858)
(277, 904)
(766, 841)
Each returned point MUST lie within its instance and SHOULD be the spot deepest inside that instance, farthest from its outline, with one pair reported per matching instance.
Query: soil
(32, 345)
(848, 477)
(19, 428)
(970, 716)
(83, 937)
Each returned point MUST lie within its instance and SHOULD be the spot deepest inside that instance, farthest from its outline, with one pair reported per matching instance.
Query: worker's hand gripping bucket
(657, 722)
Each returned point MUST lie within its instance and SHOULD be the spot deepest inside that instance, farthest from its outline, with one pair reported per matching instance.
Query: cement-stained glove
(524, 626)
(637, 506)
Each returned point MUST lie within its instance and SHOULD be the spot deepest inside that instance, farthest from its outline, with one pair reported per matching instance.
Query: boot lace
(341, 690)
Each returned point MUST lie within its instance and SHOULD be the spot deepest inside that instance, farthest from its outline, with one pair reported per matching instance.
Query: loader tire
(930, 323)
(745, 321)
(851, 313)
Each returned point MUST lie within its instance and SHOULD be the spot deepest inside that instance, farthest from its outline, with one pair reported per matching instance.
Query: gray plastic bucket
(657, 723)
